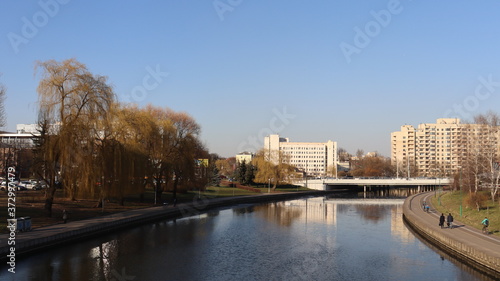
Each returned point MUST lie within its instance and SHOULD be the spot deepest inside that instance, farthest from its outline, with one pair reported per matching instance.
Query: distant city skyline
(350, 72)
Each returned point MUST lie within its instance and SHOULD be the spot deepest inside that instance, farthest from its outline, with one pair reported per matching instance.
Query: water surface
(307, 239)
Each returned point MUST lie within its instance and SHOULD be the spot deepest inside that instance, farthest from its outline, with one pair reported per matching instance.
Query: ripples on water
(308, 239)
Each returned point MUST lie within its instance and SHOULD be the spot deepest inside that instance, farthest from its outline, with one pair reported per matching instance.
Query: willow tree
(74, 101)
(273, 167)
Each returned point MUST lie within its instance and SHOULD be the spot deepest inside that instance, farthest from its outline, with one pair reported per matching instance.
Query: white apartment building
(244, 156)
(314, 158)
(432, 149)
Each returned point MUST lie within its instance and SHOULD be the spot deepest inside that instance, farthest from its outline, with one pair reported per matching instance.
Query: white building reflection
(321, 210)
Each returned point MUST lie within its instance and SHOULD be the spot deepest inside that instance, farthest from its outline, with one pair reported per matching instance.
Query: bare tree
(489, 143)
(373, 166)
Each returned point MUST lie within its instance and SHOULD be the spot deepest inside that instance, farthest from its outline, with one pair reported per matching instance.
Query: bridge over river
(368, 184)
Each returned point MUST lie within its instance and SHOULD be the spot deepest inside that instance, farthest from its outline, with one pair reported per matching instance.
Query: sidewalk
(466, 242)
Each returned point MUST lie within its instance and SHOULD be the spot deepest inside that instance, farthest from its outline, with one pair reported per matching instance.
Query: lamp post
(439, 197)
(439, 184)
(460, 188)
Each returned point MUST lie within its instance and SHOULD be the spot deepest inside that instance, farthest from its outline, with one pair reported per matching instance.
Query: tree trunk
(159, 191)
(176, 181)
(49, 200)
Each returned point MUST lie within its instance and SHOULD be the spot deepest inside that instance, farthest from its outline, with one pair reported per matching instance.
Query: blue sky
(245, 68)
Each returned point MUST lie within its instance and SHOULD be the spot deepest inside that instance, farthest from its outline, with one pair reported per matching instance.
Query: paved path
(460, 236)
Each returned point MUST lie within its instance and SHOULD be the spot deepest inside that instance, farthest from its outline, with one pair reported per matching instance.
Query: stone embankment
(59, 234)
(462, 242)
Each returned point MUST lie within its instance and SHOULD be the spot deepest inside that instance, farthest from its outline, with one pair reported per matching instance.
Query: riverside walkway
(462, 241)
(55, 235)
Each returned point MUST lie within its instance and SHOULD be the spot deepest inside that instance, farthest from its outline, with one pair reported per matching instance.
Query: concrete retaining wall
(467, 251)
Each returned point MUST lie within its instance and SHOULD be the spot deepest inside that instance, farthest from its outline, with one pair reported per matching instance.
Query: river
(307, 239)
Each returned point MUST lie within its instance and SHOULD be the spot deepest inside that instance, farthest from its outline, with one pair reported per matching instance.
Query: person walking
(449, 221)
(441, 220)
(485, 224)
(65, 216)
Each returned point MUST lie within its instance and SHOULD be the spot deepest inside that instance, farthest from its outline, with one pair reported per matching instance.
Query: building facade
(437, 149)
(244, 156)
(313, 158)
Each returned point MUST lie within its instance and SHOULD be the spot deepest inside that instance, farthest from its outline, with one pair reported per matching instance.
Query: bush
(476, 200)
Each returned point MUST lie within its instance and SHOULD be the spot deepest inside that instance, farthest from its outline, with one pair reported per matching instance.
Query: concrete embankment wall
(463, 248)
(56, 235)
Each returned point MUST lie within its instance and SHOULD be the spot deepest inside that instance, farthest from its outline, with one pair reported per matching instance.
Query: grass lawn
(449, 202)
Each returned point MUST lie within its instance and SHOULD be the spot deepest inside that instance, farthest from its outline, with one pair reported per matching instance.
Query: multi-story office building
(313, 158)
(435, 149)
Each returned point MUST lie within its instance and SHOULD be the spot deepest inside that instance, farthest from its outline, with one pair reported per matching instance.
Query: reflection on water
(307, 239)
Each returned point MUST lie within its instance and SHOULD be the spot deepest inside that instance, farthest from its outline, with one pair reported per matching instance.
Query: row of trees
(480, 166)
(261, 170)
(98, 148)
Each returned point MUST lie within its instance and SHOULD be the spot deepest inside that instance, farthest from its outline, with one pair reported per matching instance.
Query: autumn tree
(372, 166)
(75, 102)
(186, 148)
(226, 166)
(273, 167)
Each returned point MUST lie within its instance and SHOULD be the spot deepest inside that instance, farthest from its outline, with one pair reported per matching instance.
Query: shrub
(476, 200)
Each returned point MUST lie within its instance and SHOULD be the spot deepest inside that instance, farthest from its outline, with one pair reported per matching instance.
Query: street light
(439, 184)
(460, 188)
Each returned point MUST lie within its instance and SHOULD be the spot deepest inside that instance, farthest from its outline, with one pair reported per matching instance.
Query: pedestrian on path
(65, 216)
(441, 220)
(449, 221)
